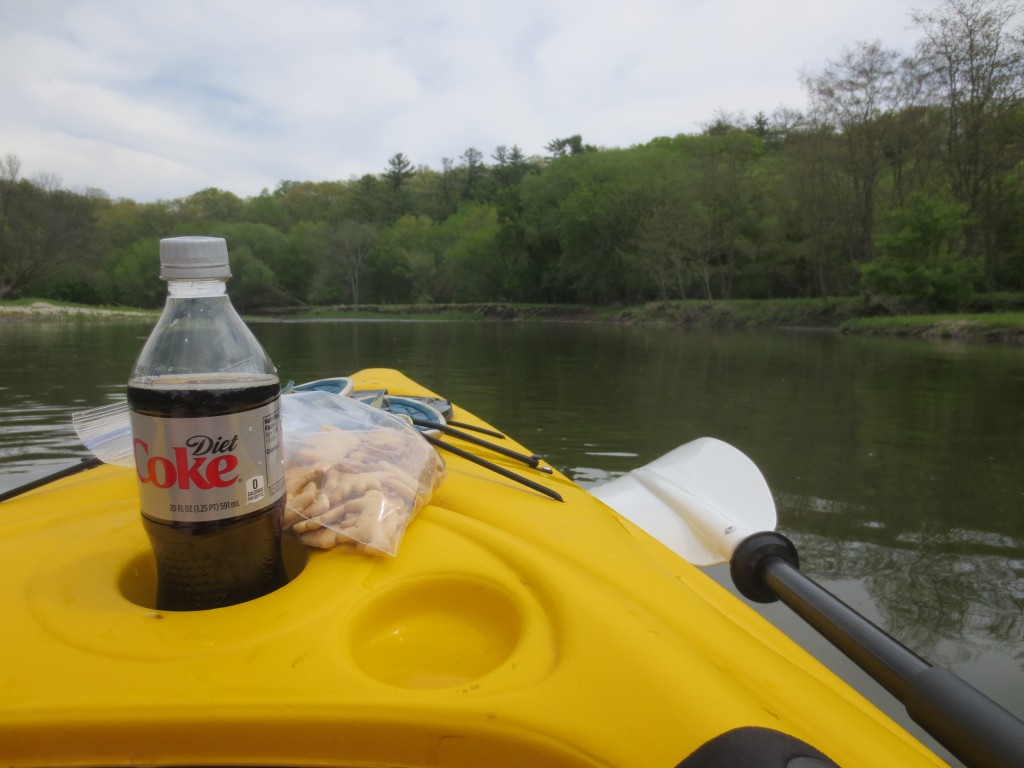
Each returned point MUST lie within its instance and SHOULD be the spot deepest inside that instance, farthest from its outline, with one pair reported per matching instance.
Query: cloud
(153, 100)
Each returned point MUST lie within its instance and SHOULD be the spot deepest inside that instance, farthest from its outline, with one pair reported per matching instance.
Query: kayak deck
(510, 629)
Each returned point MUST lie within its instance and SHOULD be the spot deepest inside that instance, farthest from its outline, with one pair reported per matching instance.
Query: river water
(896, 465)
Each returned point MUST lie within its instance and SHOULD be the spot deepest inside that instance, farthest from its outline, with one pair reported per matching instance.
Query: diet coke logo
(204, 462)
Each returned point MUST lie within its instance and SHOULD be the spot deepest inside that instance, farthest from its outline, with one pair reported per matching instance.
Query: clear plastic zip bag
(355, 475)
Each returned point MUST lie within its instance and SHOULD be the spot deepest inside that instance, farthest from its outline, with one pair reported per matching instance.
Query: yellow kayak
(509, 630)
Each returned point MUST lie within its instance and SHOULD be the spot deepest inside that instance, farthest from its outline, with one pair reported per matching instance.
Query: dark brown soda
(221, 562)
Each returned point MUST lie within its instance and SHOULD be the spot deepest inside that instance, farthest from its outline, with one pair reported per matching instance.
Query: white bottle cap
(194, 258)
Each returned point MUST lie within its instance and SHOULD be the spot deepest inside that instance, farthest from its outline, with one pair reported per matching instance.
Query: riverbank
(772, 313)
(30, 308)
(1006, 327)
(993, 318)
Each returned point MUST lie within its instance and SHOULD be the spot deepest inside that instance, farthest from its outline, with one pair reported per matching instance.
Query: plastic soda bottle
(204, 401)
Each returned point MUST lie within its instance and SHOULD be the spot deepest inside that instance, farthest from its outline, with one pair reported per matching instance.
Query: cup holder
(435, 632)
(137, 580)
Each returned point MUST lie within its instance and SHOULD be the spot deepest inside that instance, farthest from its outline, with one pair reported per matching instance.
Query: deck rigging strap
(87, 463)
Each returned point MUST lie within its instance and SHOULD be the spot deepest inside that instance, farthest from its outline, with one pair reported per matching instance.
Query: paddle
(709, 503)
(700, 500)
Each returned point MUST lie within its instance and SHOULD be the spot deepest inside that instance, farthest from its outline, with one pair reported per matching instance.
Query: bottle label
(209, 467)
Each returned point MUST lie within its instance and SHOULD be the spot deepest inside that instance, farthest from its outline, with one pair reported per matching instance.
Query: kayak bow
(509, 630)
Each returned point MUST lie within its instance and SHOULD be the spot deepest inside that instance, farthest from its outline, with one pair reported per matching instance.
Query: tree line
(903, 178)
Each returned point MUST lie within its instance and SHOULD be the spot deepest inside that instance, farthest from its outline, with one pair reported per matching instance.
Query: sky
(158, 99)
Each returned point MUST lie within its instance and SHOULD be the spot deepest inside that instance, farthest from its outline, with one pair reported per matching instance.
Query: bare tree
(852, 95)
(474, 164)
(975, 62)
(10, 168)
(42, 228)
(349, 245)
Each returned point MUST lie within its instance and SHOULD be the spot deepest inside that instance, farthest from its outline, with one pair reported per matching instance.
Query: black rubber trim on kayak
(753, 747)
(86, 463)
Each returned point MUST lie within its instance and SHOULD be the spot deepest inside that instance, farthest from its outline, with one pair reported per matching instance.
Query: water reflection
(943, 599)
(940, 587)
(52, 369)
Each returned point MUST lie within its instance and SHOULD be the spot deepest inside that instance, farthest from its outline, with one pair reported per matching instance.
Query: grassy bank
(26, 309)
(1001, 326)
(851, 315)
(991, 317)
(740, 313)
(499, 311)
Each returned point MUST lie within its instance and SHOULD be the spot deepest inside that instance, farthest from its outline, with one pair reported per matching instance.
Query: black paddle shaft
(971, 726)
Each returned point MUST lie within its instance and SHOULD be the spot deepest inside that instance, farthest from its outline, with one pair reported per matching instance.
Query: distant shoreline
(47, 309)
(849, 316)
(843, 316)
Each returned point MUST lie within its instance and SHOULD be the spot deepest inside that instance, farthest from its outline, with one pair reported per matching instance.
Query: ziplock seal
(107, 432)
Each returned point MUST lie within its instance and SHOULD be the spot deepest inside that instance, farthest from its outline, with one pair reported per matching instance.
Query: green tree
(410, 249)
(267, 256)
(131, 275)
(307, 251)
(602, 198)
(211, 204)
(266, 208)
(387, 277)
(253, 284)
(510, 241)
(510, 166)
(312, 201)
(123, 222)
(369, 201)
(569, 146)
(470, 256)
(919, 256)
(398, 171)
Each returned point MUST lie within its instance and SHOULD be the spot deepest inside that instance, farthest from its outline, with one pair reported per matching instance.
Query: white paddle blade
(700, 500)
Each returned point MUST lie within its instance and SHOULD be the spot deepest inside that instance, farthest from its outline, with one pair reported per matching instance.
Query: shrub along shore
(991, 318)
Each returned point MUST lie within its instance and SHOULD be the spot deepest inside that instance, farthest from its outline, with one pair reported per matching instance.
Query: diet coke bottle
(206, 429)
